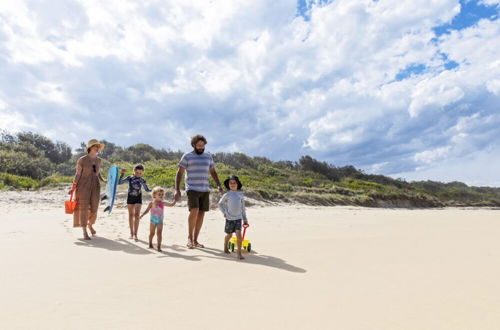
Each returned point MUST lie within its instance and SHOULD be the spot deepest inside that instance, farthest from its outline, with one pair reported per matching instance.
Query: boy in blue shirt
(232, 205)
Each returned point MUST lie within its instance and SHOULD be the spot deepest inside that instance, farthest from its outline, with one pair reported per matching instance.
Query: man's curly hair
(196, 138)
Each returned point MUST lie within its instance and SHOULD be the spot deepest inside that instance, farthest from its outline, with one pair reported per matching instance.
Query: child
(156, 207)
(134, 197)
(232, 205)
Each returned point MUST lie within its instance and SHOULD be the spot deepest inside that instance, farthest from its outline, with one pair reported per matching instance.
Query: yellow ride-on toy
(245, 243)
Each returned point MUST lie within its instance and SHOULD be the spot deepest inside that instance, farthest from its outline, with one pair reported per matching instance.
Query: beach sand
(310, 268)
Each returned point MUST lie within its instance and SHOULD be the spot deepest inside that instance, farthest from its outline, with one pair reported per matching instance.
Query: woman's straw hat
(94, 142)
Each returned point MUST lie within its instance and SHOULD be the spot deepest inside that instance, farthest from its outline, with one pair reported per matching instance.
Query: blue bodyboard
(111, 188)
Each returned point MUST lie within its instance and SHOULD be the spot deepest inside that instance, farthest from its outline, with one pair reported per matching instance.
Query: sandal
(198, 245)
(190, 245)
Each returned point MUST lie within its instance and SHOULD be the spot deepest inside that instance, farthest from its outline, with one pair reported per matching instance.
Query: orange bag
(71, 204)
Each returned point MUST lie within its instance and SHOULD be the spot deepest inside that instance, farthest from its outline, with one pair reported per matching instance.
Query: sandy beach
(310, 268)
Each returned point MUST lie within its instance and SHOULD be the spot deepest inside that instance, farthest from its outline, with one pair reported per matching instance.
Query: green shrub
(18, 182)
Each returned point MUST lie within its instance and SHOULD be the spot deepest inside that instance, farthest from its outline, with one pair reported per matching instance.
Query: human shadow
(113, 245)
(166, 253)
(256, 259)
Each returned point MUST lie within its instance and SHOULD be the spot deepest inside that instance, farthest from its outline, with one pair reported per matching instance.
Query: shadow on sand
(126, 246)
(255, 259)
(166, 252)
(113, 245)
(171, 251)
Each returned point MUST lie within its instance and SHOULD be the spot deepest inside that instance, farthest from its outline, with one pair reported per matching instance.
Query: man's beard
(199, 152)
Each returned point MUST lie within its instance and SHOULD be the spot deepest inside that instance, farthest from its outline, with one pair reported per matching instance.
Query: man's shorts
(134, 199)
(232, 226)
(198, 200)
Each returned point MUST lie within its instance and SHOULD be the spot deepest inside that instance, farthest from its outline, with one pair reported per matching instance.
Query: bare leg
(193, 215)
(81, 218)
(85, 234)
(197, 228)
(130, 208)
(238, 236)
(226, 242)
(159, 230)
(152, 228)
(94, 205)
(137, 214)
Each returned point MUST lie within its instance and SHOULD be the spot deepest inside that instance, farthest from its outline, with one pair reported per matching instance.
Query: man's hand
(177, 196)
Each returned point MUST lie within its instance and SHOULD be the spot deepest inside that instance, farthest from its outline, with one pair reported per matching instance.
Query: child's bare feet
(131, 236)
(159, 249)
(136, 239)
(92, 230)
(151, 246)
(240, 257)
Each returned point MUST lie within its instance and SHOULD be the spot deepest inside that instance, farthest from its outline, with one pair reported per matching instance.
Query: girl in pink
(156, 208)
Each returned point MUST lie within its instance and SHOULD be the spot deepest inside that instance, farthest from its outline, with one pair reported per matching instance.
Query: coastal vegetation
(31, 161)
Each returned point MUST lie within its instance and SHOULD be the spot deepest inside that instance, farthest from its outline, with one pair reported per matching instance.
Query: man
(198, 165)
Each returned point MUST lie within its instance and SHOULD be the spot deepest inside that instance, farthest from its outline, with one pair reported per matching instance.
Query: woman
(87, 188)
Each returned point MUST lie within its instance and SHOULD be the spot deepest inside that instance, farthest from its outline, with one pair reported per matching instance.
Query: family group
(197, 166)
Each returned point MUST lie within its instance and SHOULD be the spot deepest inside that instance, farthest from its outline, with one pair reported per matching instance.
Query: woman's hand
(73, 187)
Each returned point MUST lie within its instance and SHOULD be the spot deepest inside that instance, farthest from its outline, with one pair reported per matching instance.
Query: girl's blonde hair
(157, 190)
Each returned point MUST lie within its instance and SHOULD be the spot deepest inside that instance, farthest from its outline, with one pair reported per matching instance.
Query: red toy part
(245, 226)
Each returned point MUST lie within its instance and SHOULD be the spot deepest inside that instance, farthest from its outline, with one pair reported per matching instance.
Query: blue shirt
(134, 185)
(197, 170)
(232, 205)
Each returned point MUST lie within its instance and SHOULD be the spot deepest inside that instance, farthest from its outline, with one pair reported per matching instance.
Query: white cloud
(435, 93)
(430, 156)
(13, 121)
(490, 2)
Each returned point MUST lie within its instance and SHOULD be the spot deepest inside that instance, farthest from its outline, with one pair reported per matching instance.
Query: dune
(310, 268)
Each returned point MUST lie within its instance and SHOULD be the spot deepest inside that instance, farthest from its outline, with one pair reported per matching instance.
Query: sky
(404, 88)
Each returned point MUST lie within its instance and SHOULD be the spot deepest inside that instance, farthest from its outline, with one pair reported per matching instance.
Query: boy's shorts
(134, 199)
(232, 226)
(198, 200)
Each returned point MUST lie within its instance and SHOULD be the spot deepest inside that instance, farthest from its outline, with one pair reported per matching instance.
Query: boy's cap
(235, 178)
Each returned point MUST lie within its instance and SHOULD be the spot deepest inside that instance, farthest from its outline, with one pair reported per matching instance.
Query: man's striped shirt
(197, 170)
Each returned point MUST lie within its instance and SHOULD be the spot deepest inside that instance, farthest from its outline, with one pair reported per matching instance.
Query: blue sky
(404, 88)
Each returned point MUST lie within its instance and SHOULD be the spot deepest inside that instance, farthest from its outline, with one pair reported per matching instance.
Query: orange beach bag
(71, 204)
